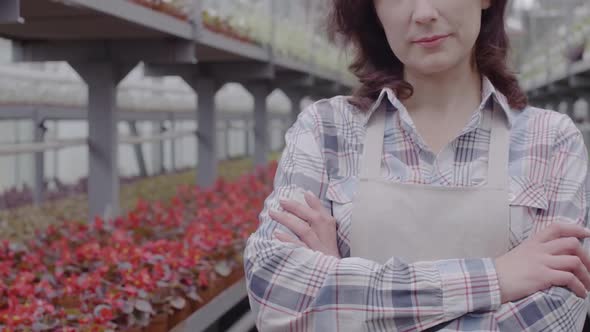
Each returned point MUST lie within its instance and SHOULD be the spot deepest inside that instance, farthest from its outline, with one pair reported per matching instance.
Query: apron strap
(498, 152)
(499, 148)
(373, 145)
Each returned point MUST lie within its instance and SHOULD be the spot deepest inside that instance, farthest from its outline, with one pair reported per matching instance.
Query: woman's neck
(454, 91)
(443, 104)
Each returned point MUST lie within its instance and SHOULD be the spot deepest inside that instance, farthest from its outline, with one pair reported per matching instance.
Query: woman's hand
(552, 257)
(313, 225)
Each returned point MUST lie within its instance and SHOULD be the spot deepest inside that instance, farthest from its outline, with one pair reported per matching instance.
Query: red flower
(103, 314)
(203, 280)
(153, 243)
(98, 223)
(132, 291)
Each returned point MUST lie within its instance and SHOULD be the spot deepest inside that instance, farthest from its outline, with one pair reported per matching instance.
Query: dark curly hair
(355, 23)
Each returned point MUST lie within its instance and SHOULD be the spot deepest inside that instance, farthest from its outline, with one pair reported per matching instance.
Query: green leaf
(223, 268)
(178, 302)
(143, 306)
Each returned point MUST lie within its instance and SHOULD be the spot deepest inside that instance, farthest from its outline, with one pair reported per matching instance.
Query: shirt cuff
(469, 285)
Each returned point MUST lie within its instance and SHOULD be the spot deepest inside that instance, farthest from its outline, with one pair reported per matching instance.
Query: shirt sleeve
(557, 308)
(295, 289)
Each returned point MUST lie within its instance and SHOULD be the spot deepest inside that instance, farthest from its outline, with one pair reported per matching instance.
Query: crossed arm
(294, 288)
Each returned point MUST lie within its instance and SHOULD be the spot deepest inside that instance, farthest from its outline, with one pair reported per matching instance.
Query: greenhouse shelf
(213, 46)
(560, 56)
(104, 40)
(140, 15)
(211, 312)
(78, 20)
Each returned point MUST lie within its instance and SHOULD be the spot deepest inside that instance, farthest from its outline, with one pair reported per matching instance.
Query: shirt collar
(488, 91)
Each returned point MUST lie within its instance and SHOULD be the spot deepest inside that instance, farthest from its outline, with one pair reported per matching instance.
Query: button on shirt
(295, 289)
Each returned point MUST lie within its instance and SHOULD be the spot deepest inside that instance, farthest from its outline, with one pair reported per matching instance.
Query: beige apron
(423, 222)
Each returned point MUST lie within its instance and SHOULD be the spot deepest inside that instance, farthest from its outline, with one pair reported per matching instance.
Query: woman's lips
(431, 42)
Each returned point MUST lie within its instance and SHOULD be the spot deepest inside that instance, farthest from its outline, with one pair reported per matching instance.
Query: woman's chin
(432, 67)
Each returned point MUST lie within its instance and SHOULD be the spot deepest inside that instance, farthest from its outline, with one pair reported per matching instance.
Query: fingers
(302, 229)
(569, 280)
(571, 264)
(557, 231)
(289, 239)
(314, 202)
(303, 212)
(568, 246)
(293, 223)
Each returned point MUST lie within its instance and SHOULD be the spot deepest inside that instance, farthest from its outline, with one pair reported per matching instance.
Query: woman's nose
(424, 11)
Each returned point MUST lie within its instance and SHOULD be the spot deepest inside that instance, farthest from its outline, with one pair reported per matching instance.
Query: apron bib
(417, 222)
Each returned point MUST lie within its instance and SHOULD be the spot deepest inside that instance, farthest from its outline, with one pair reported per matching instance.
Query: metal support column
(137, 149)
(569, 110)
(247, 149)
(586, 99)
(206, 132)
(39, 179)
(172, 145)
(228, 126)
(552, 105)
(206, 87)
(295, 97)
(158, 148)
(10, 12)
(102, 79)
(260, 91)
(285, 125)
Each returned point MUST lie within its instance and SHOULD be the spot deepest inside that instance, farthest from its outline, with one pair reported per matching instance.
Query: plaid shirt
(295, 289)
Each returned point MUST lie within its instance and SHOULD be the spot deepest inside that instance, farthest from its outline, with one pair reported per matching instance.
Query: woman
(445, 202)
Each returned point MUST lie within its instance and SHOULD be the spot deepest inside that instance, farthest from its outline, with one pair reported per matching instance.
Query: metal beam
(579, 81)
(328, 76)
(558, 89)
(232, 46)
(14, 112)
(10, 12)
(230, 71)
(294, 65)
(238, 71)
(26, 148)
(100, 51)
(155, 69)
(218, 72)
(157, 137)
(328, 87)
(135, 139)
(580, 67)
(287, 80)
